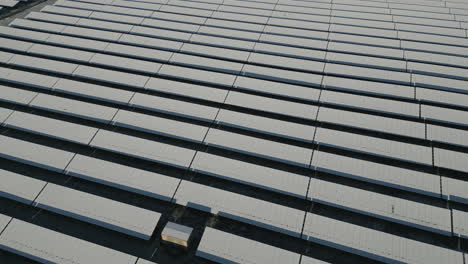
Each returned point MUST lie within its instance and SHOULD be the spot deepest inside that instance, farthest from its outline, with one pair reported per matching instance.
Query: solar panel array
(282, 131)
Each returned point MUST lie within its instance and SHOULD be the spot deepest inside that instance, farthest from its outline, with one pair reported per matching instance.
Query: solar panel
(460, 223)
(4, 220)
(66, 53)
(34, 154)
(99, 92)
(186, 89)
(123, 177)
(19, 188)
(28, 240)
(18, 96)
(259, 147)
(43, 64)
(73, 107)
(242, 208)
(376, 146)
(160, 126)
(51, 127)
(143, 148)
(455, 189)
(28, 78)
(251, 174)
(374, 244)
(223, 247)
(396, 177)
(100, 211)
(176, 107)
(266, 125)
(394, 209)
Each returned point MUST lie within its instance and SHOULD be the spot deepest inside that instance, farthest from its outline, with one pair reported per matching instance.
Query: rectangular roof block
(100, 211)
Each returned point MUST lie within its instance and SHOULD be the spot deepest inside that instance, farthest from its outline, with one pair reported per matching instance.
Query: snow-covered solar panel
(4, 220)
(207, 63)
(197, 75)
(115, 77)
(34, 154)
(94, 91)
(276, 88)
(450, 159)
(97, 210)
(460, 223)
(251, 174)
(16, 45)
(375, 146)
(51, 127)
(174, 107)
(372, 122)
(186, 89)
(447, 135)
(289, 76)
(161, 126)
(272, 105)
(259, 147)
(143, 148)
(123, 177)
(374, 244)
(19, 187)
(445, 115)
(455, 189)
(4, 114)
(27, 78)
(242, 208)
(225, 248)
(370, 103)
(73, 107)
(28, 240)
(58, 52)
(377, 173)
(17, 96)
(266, 125)
(382, 206)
